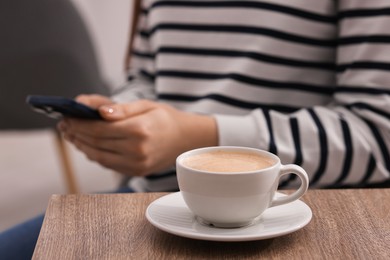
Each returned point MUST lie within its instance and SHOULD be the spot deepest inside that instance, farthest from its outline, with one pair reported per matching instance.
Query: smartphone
(58, 107)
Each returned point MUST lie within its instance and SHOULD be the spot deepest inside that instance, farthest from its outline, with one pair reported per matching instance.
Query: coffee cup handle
(301, 173)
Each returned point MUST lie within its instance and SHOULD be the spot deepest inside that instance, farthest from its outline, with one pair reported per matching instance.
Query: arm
(347, 141)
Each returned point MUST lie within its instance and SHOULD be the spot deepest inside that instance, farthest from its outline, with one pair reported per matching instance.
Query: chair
(45, 49)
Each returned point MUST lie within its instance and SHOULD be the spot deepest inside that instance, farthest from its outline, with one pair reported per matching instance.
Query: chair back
(45, 49)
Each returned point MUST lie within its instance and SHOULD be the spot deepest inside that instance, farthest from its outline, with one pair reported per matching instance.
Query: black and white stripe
(319, 73)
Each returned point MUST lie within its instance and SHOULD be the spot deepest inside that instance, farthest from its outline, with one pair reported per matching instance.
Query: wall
(109, 23)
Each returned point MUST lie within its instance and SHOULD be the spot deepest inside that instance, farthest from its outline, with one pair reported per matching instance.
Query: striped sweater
(307, 80)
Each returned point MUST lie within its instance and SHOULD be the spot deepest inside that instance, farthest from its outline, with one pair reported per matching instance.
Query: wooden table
(346, 224)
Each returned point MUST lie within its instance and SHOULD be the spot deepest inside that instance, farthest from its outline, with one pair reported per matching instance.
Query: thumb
(93, 100)
(115, 112)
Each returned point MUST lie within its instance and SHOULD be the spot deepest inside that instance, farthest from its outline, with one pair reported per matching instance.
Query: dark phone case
(57, 107)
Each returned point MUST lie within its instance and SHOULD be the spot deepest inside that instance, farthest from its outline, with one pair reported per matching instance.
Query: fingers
(128, 146)
(135, 141)
(122, 121)
(93, 128)
(115, 112)
(128, 165)
(108, 145)
(137, 127)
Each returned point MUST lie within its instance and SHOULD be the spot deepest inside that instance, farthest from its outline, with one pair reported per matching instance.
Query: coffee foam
(227, 161)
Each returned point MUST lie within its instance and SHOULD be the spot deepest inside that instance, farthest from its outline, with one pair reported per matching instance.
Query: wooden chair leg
(69, 175)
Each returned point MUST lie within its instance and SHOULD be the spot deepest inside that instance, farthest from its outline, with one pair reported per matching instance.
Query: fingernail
(111, 111)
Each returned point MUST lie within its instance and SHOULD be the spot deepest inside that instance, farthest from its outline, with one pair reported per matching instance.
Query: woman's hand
(94, 101)
(138, 138)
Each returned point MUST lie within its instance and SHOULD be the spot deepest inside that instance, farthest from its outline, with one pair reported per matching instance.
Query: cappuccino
(227, 161)
(230, 186)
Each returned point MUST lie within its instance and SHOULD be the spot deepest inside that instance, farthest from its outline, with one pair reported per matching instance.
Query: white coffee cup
(220, 189)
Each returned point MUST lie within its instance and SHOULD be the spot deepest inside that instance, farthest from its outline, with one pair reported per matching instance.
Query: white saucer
(170, 214)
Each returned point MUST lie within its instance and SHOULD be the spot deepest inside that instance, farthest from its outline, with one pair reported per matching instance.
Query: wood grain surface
(346, 224)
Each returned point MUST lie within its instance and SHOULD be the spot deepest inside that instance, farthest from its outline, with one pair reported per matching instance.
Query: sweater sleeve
(347, 141)
(136, 87)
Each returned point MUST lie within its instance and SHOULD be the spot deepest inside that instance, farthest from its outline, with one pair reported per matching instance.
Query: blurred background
(31, 166)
